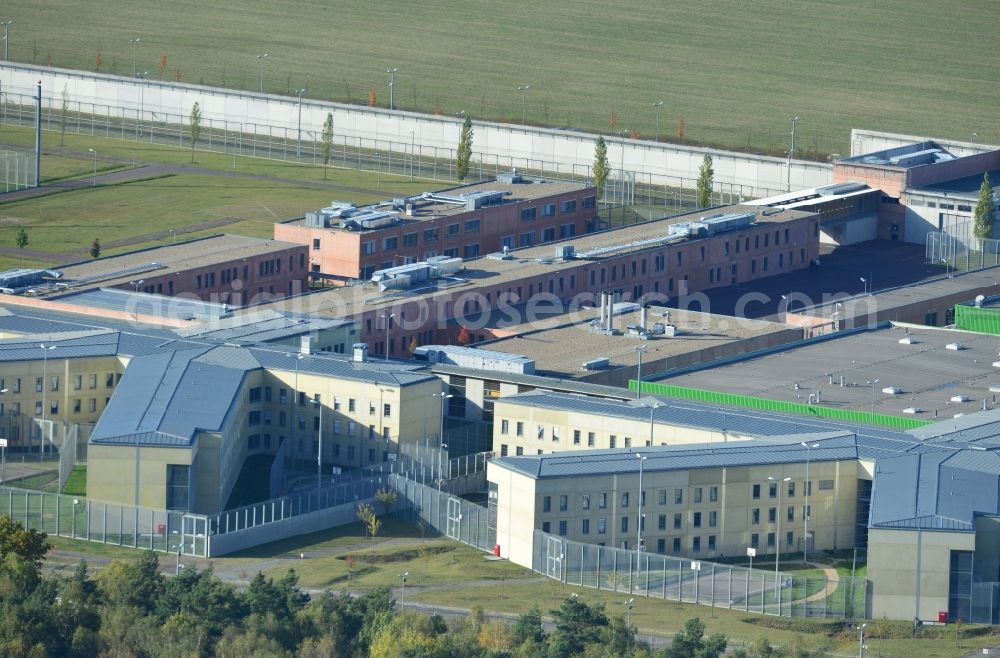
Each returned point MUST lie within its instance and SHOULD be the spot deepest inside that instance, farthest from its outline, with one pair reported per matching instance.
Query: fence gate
(554, 553)
(194, 535)
(454, 521)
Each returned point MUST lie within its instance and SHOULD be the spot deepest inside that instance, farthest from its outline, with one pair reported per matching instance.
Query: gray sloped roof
(833, 446)
(389, 373)
(74, 345)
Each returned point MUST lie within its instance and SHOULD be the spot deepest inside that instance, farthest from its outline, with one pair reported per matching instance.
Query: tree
(372, 100)
(163, 64)
(62, 117)
(705, 177)
(95, 248)
(370, 520)
(387, 497)
(601, 167)
(412, 347)
(984, 216)
(577, 625)
(21, 241)
(195, 127)
(690, 642)
(680, 128)
(29, 545)
(98, 61)
(464, 153)
(327, 141)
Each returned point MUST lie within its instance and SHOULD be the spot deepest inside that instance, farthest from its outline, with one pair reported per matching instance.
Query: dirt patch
(397, 556)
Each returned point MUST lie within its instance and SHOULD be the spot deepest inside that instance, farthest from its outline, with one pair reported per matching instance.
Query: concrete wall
(512, 145)
(892, 567)
(868, 141)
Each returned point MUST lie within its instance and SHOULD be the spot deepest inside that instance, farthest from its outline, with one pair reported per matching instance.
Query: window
(772, 490)
(791, 513)
(386, 410)
(754, 540)
(677, 545)
(713, 519)
(92, 383)
(755, 516)
(696, 520)
(791, 489)
(371, 408)
(576, 437)
(368, 248)
(567, 230)
(546, 526)
(519, 451)
(603, 501)
(624, 524)
(770, 540)
(39, 384)
(548, 235)
(472, 226)
(350, 405)
(661, 546)
(555, 435)
(547, 504)
(585, 527)
(527, 239)
(661, 522)
(254, 418)
(77, 405)
(677, 521)
(696, 544)
(697, 494)
(562, 528)
(315, 243)
(568, 206)
(92, 405)
(772, 514)
(826, 485)
(451, 230)
(602, 525)
(528, 214)
(504, 426)
(540, 432)
(77, 382)
(410, 239)
(589, 202)
(711, 542)
(549, 210)
(520, 428)
(678, 496)
(625, 499)
(585, 501)
(255, 394)
(612, 441)
(756, 492)
(431, 234)
(789, 538)
(177, 486)
(563, 503)
(713, 494)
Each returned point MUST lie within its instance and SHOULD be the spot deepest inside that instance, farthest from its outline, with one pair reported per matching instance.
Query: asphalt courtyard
(882, 264)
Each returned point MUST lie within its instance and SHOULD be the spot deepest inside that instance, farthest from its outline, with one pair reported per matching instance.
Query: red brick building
(465, 222)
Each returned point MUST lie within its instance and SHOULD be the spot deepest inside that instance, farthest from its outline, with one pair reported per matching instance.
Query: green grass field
(734, 71)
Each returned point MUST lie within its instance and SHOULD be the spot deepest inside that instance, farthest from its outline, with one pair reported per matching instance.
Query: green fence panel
(780, 406)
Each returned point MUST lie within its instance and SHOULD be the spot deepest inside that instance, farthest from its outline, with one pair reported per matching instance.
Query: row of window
(262, 442)
(15, 383)
(14, 408)
(265, 394)
(549, 209)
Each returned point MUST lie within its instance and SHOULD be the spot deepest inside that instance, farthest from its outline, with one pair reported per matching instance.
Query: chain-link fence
(17, 169)
(686, 580)
(625, 189)
(446, 513)
(122, 525)
(956, 249)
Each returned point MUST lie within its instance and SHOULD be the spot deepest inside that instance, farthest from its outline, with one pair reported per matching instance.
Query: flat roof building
(349, 244)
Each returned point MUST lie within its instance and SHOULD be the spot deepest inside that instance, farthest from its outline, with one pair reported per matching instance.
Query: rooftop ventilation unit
(510, 178)
(960, 398)
(565, 251)
(371, 219)
(596, 364)
(908, 340)
(913, 410)
(892, 390)
(955, 347)
(477, 200)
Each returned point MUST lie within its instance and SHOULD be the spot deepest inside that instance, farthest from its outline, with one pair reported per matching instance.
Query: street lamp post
(524, 90)
(45, 376)
(402, 594)
(652, 408)
(142, 102)
(805, 514)
(638, 520)
(861, 640)
(6, 39)
(135, 44)
(658, 105)
(392, 86)
(262, 57)
(777, 539)
(298, 143)
(135, 287)
(441, 444)
(387, 317)
(791, 154)
(177, 562)
(947, 267)
(3, 455)
(95, 166)
(872, 383)
(319, 454)
(641, 349)
(628, 612)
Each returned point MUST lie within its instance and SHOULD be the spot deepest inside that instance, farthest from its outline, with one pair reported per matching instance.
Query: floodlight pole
(441, 443)
(524, 90)
(873, 382)
(777, 540)
(808, 511)
(262, 57)
(135, 44)
(658, 105)
(298, 143)
(45, 375)
(95, 166)
(791, 153)
(6, 39)
(319, 455)
(638, 385)
(388, 321)
(638, 521)
(392, 86)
